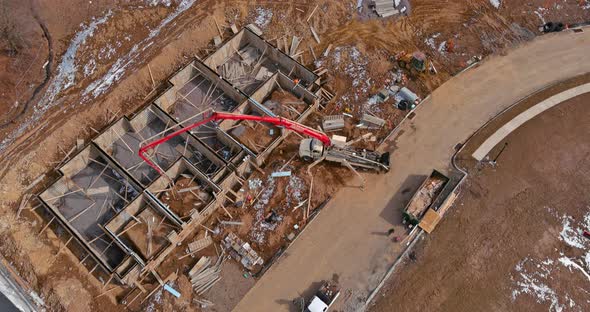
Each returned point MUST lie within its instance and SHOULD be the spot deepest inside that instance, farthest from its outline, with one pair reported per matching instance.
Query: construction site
(269, 155)
(128, 218)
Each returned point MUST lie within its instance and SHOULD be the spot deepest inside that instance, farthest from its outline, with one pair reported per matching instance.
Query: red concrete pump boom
(279, 121)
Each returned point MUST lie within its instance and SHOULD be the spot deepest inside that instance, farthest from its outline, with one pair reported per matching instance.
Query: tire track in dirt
(40, 132)
(11, 119)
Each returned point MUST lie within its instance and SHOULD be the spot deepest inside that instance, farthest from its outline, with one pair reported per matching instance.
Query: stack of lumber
(203, 303)
(371, 121)
(385, 8)
(204, 275)
(199, 244)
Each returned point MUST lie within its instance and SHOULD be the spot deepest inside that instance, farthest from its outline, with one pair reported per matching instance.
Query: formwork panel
(90, 192)
(284, 98)
(123, 139)
(142, 227)
(247, 61)
(185, 190)
(197, 88)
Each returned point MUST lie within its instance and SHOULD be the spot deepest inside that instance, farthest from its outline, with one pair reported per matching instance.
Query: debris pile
(204, 275)
(258, 233)
(242, 252)
(386, 8)
(246, 69)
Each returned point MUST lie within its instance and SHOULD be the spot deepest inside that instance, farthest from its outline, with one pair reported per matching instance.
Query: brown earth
(477, 29)
(505, 216)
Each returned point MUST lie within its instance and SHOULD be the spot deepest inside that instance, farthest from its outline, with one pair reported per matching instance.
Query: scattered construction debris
(315, 34)
(242, 252)
(385, 8)
(333, 123)
(371, 122)
(205, 274)
(199, 244)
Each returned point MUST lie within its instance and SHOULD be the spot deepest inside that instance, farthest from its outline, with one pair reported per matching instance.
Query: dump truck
(324, 298)
(425, 196)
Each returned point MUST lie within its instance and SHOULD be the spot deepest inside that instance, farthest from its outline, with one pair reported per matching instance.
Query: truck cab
(311, 149)
(324, 298)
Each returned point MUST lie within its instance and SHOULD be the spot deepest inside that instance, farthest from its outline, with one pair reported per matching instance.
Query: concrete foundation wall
(224, 183)
(222, 84)
(245, 37)
(226, 51)
(240, 149)
(118, 221)
(192, 69)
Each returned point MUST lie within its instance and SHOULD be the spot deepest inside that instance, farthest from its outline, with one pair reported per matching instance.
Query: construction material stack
(385, 8)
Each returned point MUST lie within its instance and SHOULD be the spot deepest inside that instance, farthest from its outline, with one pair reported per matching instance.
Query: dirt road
(509, 230)
(347, 239)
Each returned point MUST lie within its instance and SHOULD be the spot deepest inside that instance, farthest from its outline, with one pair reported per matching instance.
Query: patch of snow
(156, 299)
(260, 227)
(570, 235)
(442, 47)
(264, 17)
(569, 263)
(294, 190)
(89, 68)
(495, 3)
(540, 11)
(540, 291)
(106, 52)
(534, 276)
(430, 42)
(65, 76)
(66, 70)
(118, 69)
(159, 2)
(254, 184)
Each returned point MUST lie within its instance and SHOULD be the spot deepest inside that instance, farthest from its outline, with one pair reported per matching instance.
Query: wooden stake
(315, 35)
(81, 212)
(23, 202)
(121, 138)
(108, 281)
(312, 12)
(218, 28)
(152, 77)
(328, 50)
(206, 228)
(108, 291)
(309, 199)
(46, 226)
(313, 53)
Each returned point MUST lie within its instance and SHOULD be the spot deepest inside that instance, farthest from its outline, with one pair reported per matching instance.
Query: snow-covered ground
(70, 66)
(537, 277)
